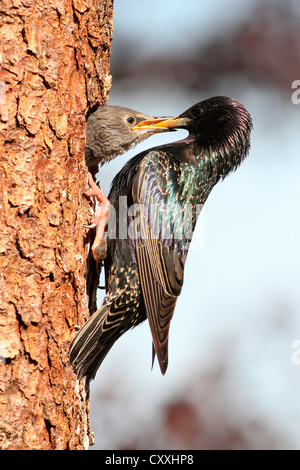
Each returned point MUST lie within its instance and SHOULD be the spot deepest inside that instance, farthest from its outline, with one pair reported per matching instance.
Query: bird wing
(159, 255)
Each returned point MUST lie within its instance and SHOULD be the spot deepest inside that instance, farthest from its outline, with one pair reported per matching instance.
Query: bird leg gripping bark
(99, 219)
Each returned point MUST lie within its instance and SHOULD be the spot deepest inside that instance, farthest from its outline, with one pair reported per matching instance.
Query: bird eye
(131, 120)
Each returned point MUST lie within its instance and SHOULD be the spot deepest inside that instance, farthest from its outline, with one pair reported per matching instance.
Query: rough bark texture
(55, 58)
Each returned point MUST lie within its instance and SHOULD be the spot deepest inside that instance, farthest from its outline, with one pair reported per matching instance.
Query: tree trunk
(55, 64)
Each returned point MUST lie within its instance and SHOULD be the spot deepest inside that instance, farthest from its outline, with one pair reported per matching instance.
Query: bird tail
(93, 342)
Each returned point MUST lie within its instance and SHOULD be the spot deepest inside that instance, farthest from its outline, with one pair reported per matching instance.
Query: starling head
(220, 125)
(216, 121)
(109, 132)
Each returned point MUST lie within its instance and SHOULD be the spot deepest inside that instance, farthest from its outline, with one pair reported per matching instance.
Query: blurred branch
(263, 49)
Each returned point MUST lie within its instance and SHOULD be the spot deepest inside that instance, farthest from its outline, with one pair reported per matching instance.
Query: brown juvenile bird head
(109, 133)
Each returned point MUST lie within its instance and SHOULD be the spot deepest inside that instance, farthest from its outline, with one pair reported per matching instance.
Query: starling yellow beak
(167, 124)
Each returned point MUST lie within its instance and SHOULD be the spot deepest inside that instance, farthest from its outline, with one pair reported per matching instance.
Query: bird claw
(100, 216)
(90, 226)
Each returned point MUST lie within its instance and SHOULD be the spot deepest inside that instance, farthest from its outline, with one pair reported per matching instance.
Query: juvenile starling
(144, 272)
(109, 133)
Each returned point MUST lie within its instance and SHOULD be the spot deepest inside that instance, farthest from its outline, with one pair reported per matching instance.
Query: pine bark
(55, 62)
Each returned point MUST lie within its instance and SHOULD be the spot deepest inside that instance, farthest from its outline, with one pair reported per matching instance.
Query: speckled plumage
(144, 273)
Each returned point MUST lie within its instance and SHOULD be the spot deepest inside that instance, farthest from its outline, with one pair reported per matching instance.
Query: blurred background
(233, 380)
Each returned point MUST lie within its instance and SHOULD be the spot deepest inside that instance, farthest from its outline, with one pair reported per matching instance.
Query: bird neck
(219, 157)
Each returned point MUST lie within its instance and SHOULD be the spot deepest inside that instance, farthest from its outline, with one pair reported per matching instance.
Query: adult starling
(144, 272)
(109, 133)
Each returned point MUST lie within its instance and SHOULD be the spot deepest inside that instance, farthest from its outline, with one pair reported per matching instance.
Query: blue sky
(170, 26)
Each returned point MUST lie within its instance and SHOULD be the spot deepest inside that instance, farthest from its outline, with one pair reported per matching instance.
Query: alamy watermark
(296, 94)
(295, 356)
(157, 221)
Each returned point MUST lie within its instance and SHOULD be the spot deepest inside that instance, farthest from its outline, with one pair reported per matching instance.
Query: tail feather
(94, 340)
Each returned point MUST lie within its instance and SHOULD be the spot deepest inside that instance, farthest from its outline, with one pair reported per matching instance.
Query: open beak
(161, 125)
